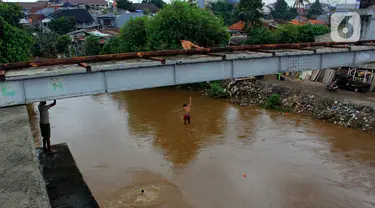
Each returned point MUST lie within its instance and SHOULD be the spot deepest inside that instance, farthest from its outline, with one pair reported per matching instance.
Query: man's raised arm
(52, 104)
(190, 101)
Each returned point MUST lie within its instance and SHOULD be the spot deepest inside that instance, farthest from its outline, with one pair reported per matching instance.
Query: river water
(230, 156)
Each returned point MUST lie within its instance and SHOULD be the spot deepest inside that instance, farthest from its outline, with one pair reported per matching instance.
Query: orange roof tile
(316, 22)
(237, 26)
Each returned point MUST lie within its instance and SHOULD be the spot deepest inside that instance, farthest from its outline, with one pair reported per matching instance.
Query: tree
(45, 44)
(62, 44)
(250, 12)
(158, 3)
(223, 9)
(259, 35)
(308, 32)
(281, 10)
(182, 21)
(15, 44)
(11, 13)
(134, 34)
(114, 44)
(92, 45)
(297, 34)
(124, 4)
(62, 25)
(315, 9)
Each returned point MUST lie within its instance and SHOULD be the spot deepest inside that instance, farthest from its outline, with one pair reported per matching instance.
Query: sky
(290, 2)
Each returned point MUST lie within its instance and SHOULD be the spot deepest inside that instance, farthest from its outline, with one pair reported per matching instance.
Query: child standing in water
(186, 109)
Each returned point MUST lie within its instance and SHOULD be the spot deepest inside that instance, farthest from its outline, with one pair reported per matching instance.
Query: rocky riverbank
(253, 92)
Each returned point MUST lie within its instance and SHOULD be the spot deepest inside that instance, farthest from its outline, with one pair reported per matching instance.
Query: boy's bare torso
(187, 109)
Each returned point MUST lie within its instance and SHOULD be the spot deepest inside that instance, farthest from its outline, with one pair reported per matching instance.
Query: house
(144, 6)
(107, 20)
(79, 37)
(302, 20)
(91, 4)
(27, 6)
(83, 18)
(238, 27)
(125, 17)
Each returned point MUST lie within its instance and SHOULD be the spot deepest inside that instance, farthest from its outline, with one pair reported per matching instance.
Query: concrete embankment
(21, 182)
(328, 108)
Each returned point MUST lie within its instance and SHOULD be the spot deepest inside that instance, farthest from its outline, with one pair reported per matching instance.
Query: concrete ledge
(65, 184)
(21, 183)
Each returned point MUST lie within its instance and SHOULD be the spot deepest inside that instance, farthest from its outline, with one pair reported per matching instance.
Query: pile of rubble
(251, 92)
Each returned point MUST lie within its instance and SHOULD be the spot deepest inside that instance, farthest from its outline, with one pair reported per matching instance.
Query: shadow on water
(150, 113)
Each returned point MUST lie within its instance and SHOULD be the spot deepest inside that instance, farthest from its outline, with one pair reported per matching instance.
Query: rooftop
(81, 15)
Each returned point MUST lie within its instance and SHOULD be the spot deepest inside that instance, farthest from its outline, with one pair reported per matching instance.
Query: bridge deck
(170, 60)
(71, 80)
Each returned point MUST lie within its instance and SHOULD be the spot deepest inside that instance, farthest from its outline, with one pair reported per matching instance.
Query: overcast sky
(290, 2)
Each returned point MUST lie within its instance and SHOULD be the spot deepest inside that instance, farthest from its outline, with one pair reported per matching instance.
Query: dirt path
(318, 88)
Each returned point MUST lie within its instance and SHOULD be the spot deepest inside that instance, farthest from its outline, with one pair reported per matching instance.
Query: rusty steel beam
(123, 56)
(86, 66)
(2, 75)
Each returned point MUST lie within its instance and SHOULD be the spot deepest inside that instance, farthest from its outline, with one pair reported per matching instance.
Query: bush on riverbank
(274, 102)
(216, 89)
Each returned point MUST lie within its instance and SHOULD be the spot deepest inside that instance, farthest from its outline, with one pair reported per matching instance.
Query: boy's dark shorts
(45, 129)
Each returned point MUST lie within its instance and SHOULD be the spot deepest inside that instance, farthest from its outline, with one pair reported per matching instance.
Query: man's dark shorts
(45, 129)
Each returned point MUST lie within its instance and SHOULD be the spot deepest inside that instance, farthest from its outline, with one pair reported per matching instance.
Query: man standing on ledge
(45, 127)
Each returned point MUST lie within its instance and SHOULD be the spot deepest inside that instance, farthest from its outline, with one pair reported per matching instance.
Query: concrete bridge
(38, 83)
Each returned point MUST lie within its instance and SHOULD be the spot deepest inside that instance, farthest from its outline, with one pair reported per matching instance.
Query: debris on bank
(252, 92)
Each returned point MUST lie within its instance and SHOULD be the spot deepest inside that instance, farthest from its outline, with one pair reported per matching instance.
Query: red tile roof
(29, 5)
(87, 2)
(237, 26)
(314, 22)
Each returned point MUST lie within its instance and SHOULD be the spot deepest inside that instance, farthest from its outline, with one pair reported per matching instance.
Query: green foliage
(259, 35)
(181, 21)
(92, 45)
(45, 44)
(15, 44)
(250, 12)
(158, 3)
(62, 25)
(62, 44)
(282, 11)
(113, 45)
(223, 9)
(134, 35)
(124, 4)
(11, 13)
(299, 34)
(216, 89)
(287, 34)
(315, 9)
(273, 102)
(308, 32)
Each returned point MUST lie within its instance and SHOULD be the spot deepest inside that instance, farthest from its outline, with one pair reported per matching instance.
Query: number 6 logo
(345, 27)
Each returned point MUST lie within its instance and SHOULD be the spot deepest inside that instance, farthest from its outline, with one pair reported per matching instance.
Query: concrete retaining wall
(21, 182)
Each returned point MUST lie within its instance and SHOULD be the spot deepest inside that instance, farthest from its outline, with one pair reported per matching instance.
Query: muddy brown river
(230, 157)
